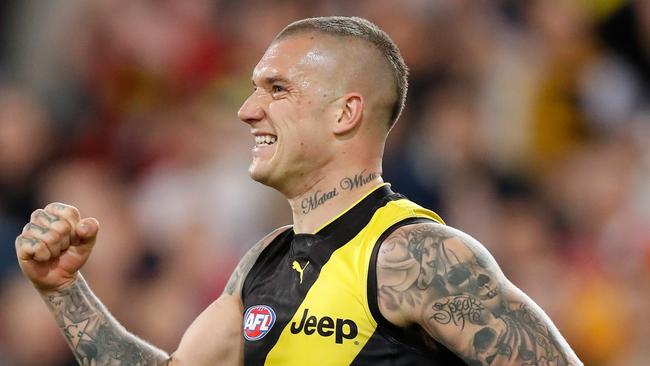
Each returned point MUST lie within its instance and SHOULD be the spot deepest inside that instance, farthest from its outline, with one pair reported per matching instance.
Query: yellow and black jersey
(310, 299)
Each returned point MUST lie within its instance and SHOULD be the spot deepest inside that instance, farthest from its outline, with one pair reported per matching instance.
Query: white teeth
(265, 140)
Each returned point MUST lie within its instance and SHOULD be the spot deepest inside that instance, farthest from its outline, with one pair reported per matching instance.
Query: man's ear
(349, 114)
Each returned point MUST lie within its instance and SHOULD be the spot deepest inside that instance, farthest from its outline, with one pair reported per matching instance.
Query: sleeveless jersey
(311, 299)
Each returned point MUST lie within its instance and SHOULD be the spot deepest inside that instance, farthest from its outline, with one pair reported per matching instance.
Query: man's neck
(330, 196)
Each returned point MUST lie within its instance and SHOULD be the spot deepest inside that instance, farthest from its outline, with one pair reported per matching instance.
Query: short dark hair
(367, 31)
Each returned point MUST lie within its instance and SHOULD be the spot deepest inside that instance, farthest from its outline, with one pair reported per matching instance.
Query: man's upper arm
(447, 282)
(214, 338)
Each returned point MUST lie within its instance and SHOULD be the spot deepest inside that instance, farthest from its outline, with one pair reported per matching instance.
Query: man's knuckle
(36, 214)
(42, 246)
(37, 229)
(55, 236)
(62, 226)
(41, 253)
(57, 207)
(26, 241)
(45, 217)
(62, 212)
(47, 237)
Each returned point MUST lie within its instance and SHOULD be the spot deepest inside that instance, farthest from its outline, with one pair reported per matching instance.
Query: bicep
(446, 282)
(214, 337)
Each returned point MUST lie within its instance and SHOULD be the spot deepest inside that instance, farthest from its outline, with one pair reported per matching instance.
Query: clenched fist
(54, 245)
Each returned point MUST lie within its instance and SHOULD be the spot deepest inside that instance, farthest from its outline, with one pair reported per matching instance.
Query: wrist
(62, 287)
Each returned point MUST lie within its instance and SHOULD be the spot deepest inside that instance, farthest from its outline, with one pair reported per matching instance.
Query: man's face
(290, 111)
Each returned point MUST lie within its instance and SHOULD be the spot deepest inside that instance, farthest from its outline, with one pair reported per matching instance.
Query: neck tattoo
(349, 184)
(358, 180)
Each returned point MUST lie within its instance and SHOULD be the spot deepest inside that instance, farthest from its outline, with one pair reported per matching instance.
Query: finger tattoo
(28, 241)
(48, 217)
(60, 207)
(40, 229)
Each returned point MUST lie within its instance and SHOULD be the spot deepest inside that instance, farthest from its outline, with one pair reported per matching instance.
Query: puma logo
(296, 266)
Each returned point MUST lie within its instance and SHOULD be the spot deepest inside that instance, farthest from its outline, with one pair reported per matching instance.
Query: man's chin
(259, 175)
(268, 179)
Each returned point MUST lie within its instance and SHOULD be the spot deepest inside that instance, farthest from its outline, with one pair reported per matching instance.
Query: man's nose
(250, 111)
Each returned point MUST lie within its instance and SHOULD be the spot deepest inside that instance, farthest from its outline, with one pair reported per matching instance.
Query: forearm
(525, 319)
(94, 336)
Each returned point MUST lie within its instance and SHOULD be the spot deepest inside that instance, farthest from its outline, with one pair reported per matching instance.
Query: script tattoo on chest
(348, 184)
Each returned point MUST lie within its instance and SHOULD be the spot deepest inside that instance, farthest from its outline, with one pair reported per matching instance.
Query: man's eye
(277, 89)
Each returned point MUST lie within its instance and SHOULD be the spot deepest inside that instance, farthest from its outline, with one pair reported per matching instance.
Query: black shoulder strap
(389, 330)
(271, 250)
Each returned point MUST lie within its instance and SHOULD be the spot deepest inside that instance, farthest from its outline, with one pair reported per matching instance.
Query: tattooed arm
(93, 335)
(52, 248)
(447, 283)
(96, 338)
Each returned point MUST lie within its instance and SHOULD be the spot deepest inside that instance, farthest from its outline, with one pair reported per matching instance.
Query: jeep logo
(326, 327)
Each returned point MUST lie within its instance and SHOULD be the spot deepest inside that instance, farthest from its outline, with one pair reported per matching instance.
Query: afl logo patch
(258, 321)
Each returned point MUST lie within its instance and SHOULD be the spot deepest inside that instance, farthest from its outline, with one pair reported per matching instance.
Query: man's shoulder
(258, 247)
(266, 240)
(428, 260)
(236, 280)
(254, 252)
(402, 205)
(425, 233)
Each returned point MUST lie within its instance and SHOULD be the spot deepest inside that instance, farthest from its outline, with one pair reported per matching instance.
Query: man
(363, 277)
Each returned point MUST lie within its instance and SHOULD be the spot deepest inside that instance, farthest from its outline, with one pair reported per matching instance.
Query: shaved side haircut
(367, 31)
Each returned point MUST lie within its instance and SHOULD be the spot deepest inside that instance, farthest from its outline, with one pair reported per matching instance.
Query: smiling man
(362, 277)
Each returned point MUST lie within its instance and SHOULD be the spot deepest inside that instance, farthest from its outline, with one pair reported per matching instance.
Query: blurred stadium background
(527, 126)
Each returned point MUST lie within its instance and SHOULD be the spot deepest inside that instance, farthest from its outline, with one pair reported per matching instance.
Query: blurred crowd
(527, 125)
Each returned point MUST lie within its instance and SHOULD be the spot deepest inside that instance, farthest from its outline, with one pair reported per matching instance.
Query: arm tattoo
(237, 278)
(455, 290)
(93, 335)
